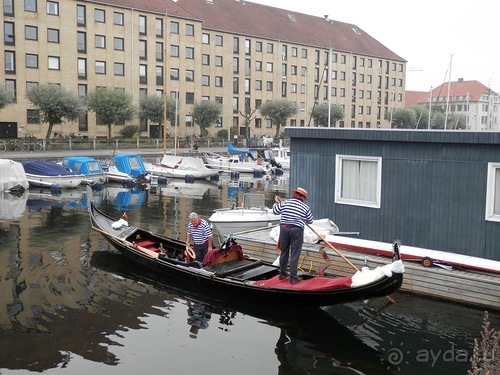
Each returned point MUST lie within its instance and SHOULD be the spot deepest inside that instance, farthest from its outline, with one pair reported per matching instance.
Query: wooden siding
(433, 185)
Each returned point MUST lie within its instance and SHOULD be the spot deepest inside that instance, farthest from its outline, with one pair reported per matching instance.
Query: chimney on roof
(460, 80)
(326, 17)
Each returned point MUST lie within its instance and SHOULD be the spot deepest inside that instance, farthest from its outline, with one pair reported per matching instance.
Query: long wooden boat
(228, 270)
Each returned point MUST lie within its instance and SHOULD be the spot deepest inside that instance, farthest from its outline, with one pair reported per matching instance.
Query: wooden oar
(339, 253)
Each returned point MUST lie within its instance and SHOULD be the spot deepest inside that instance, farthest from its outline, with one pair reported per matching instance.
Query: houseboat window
(493, 192)
(358, 180)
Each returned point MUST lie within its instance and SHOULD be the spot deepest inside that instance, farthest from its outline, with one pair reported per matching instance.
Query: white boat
(48, 174)
(90, 167)
(279, 157)
(181, 167)
(12, 207)
(235, 163)
(253, 214)
(12, 176)
(179, 188)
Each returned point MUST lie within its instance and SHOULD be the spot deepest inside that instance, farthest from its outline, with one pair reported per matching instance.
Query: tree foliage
(55, 104)
(403, 118)
(111, 106)
(6, 98)
(151, 108)
(206, 113)
(278, 111)
(320, 114)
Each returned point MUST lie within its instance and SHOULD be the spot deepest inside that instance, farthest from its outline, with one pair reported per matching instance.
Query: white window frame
(493, 193)
(375, 188)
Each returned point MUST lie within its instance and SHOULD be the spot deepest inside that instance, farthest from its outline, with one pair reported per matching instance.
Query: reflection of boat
(48, 174)
(39, 198)
(252, 214)
(124, 198)
(12, 207)
(90, 167)
(310, 338)
(181, 167)
(180, 188)
(227, 270)
(12, 176)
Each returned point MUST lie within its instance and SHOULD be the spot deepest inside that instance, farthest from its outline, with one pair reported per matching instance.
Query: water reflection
(69, 301)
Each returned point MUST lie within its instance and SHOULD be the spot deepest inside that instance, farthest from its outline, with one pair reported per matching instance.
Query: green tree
(206, 113)
(278, 111)
(111, 106)
(6, 98)
(248, 117)
(55, 104)
(320, 114)
(403, 118)
(151, 108)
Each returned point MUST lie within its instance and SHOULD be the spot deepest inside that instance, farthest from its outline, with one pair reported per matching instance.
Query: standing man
(294, 214)
(199, 232)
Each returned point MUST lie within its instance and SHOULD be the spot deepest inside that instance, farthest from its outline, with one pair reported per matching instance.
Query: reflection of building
(198, 50)
(470, 104)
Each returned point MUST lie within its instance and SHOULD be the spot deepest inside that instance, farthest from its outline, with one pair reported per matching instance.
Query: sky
(441, 40)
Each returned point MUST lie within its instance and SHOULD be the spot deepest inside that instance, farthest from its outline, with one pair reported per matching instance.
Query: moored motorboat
(91, 168)
(228, 270)
(172, 166)
(12, 177)
(48, 174)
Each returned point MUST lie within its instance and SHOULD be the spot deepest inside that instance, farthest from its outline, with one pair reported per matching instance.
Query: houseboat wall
(433, 185)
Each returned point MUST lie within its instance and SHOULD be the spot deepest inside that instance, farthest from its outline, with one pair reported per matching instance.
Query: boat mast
(165, 86)
(430, 108)
(448, 96)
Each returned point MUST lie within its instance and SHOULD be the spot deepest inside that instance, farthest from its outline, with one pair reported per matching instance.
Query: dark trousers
(291, 240)
(201, 250)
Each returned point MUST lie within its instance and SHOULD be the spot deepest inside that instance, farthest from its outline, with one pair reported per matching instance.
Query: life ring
(191, 252)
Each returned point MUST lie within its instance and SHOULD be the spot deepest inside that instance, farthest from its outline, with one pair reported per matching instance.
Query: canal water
(71, 304)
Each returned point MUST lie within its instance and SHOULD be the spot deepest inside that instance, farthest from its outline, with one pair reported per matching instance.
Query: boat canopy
(83, 165)
(45, 168)
(132, 164)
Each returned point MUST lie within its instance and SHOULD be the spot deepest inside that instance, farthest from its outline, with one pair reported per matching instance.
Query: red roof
(459, 89)
(245, 18)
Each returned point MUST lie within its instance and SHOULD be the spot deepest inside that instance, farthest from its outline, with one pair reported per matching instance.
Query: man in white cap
(294, 214)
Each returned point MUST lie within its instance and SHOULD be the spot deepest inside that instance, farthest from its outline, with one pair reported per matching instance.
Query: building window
(358, 180)
(189, 75)
(118, 44)
(269, 67)
(189, 29)
(269, 85)
(8, 8)
(159, 51)
(119, 69)
(10, 61)
(80, 15)
(174, 51)
(205, 38)
(218, 61)
(189, 119)
(189, 53)
(99, 15)
(236, 45)
(189, 97)
(52, 8)
(270, 48)
(159, 28)
(52, 35)
(31, 32)
(81, 42)
(100, 41)
(159, 75)
(10, 87)
(31, 61)
(493, 192)
(174, 27)
(219, 40)
(258, 85)
(118, 18)
(258, 46)
(143, 25)
(174, 74)
(33, 116)
(8, 33)
(30, 5)
(100, 67)
(82, 91)
(143, 74)
(205, 80)
(82, 68)
(205, 59)
(258, 66)
(218, 81)
(143, 49)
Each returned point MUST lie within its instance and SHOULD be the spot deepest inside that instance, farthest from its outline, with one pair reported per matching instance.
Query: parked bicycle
(17, 145)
